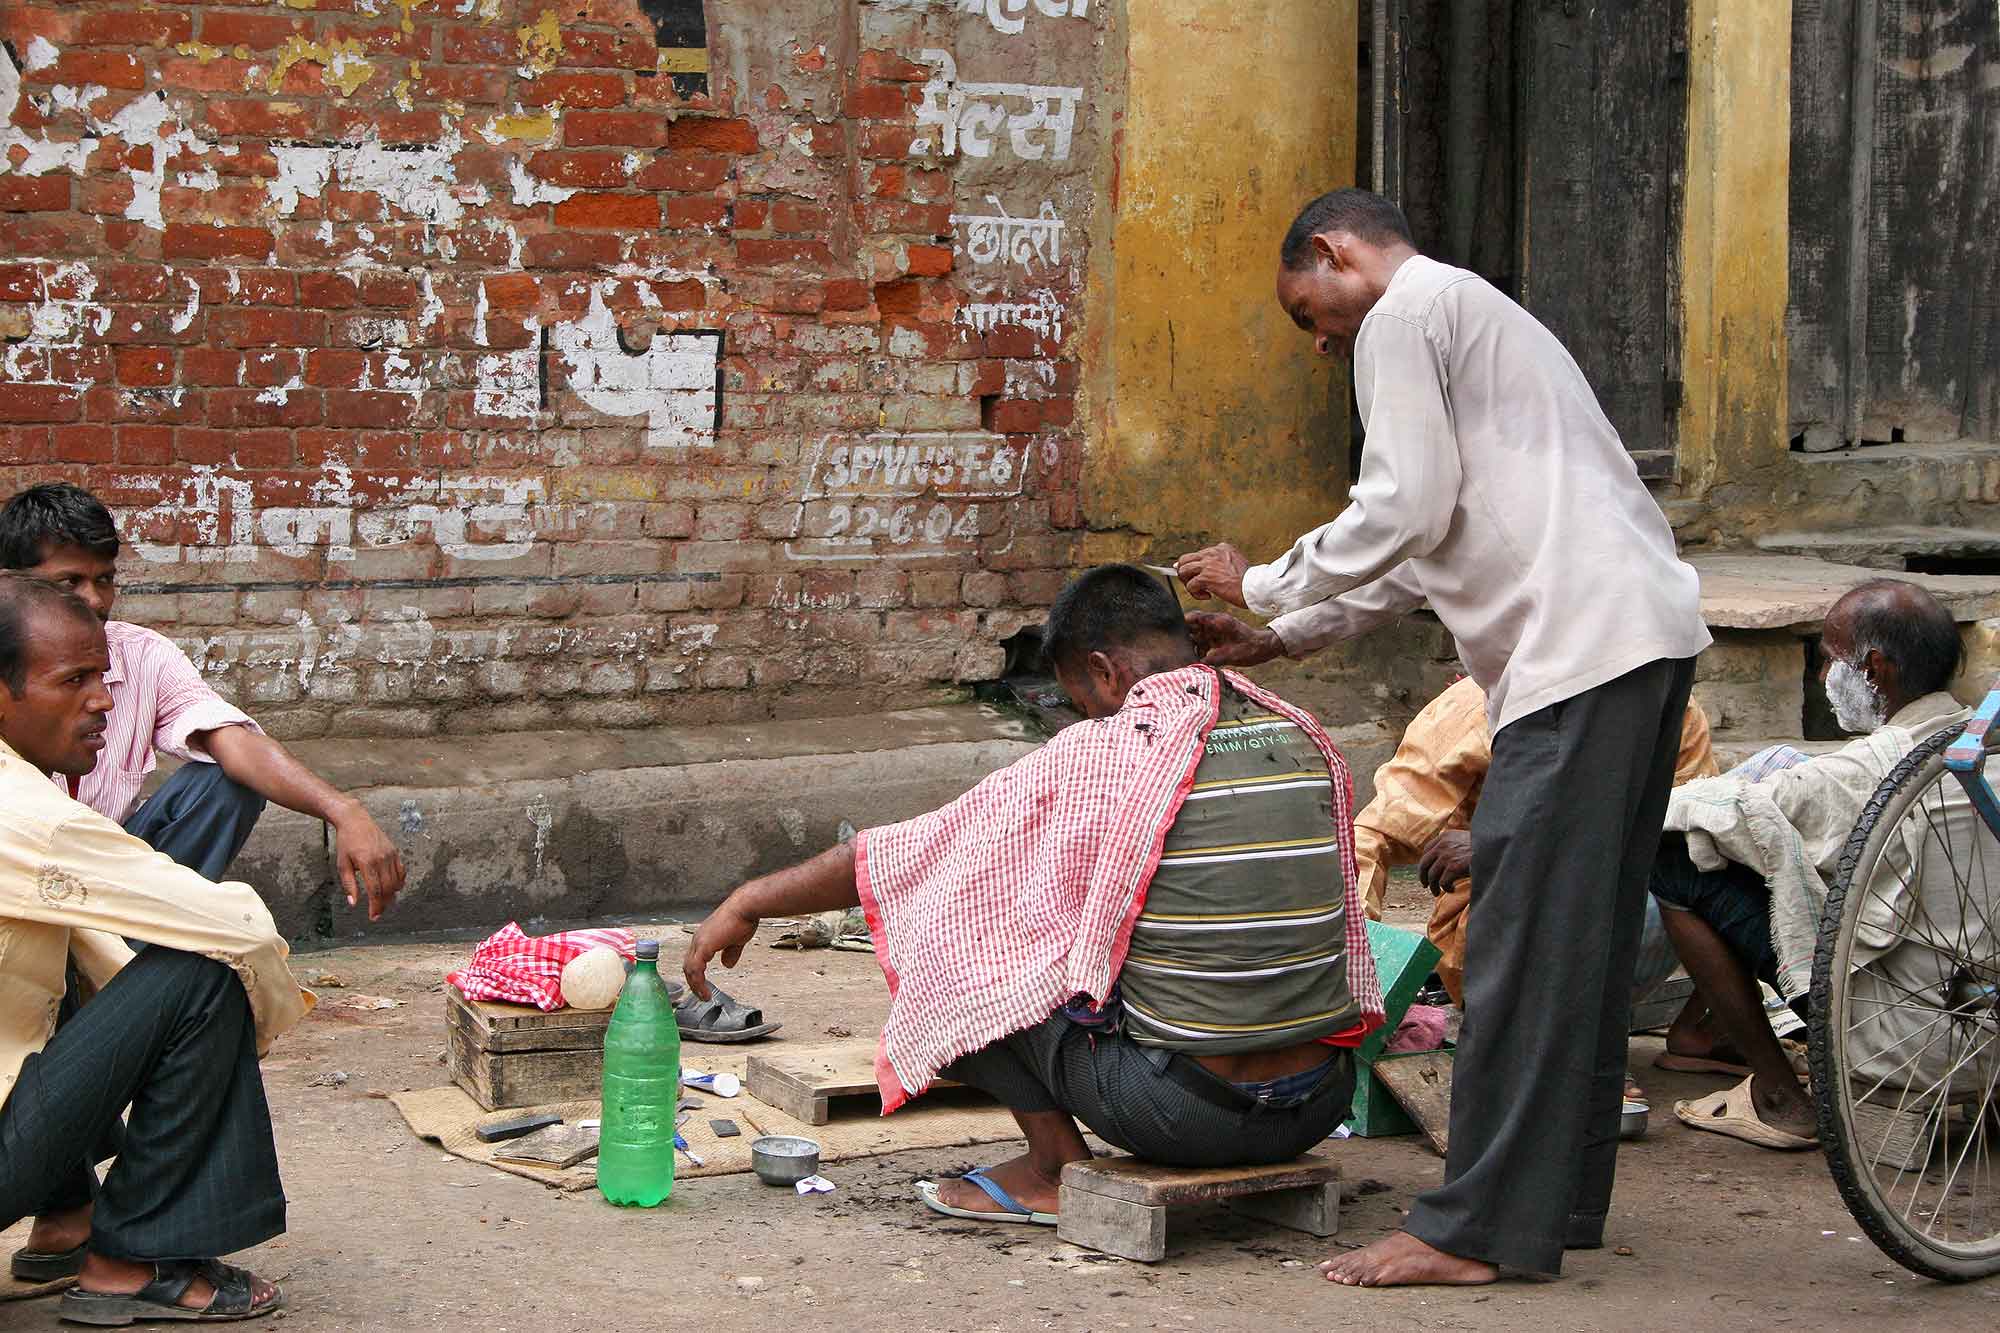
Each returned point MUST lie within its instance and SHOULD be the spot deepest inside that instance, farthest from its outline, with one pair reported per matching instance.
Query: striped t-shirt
(1242, 942)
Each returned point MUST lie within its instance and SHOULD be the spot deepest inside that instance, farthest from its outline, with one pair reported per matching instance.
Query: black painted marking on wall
(681, 28)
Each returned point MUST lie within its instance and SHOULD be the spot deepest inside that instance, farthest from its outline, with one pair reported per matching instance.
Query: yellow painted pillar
(1210, 417)
(1734, 243)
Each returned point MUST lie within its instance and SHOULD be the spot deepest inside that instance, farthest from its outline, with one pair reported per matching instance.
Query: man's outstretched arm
(823, 884)
(367, 861)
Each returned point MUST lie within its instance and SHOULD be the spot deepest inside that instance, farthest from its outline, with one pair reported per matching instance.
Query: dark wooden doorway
(1540, 144)
(1895, 210)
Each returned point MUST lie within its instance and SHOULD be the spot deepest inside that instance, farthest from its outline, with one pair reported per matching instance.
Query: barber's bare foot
(122, 1277)
(1018, 1176)
(1784, 1106)
(55, 1233)
(1401, 1260)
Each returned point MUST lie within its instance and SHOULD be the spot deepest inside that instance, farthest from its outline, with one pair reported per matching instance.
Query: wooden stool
(1119, 1204)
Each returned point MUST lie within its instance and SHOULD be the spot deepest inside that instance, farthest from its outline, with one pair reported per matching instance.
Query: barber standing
(1494, 488)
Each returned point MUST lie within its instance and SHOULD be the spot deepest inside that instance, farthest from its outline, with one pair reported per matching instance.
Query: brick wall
(487, 364)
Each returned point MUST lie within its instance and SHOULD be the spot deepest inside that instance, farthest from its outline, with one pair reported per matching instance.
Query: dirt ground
(389, 1233)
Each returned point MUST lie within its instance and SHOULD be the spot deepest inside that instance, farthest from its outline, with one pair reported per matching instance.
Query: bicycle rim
(1904, 1070)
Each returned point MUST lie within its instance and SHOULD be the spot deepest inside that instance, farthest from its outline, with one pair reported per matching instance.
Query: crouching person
(87, 1030)
(1149, 925)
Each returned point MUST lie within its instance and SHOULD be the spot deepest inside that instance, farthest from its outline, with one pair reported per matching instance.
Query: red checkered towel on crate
(519, 968)
(1021, 894)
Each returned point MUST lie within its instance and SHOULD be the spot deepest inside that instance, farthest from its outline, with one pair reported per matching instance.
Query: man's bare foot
(1401, 1260)
(1018, 1176)
(123, 1277)
(55, 1233)
(1784, 1106)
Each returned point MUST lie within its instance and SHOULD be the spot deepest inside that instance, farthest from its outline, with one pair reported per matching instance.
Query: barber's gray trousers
(199, 817)
(1563, 842)
(171, 1037)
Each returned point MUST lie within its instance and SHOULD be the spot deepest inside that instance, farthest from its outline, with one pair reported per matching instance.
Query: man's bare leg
(1737, 1007)
(1035, 1177)
(1401, 1260)
(60, 1232)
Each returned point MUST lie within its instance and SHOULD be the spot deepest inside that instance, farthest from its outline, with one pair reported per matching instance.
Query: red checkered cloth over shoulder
(517, 968)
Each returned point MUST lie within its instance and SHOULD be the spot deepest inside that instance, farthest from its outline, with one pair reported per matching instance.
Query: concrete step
(1773, 591)
(1891, 549)
(1945, 485)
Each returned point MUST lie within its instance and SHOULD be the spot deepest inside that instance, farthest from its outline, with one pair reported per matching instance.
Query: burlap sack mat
(448, 1117)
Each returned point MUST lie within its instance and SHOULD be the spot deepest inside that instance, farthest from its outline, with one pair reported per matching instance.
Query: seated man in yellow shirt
(173, 1034)
(1421, 814)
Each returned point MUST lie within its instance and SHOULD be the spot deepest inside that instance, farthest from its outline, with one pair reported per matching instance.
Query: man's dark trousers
(1563, 842)
(197, 1171)
(200, 817)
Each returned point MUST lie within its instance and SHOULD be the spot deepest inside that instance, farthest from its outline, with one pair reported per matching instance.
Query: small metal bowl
(1632, 1121)
(782, 1159)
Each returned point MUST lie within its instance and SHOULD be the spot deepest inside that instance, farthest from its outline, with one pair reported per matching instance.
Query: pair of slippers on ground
(1733, 1111)
(718, 1018)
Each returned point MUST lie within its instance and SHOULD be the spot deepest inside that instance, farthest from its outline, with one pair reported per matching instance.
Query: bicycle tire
(1840, 1139)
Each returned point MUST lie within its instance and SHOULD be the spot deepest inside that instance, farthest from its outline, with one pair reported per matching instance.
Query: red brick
(35, 194)
(84, 442)
(212, 76)
(105, 197)
(391, 127)
(259, 32)
(617, 129)
(879, 101)
(702, 211)
(327, 291)
(903, 299)
(1013, 416)
(480, 46)
(512, 291)
(564, 250)
(336, 367)
(262, 431)
(21, 446)
(380, 39)
(581, 170)
(684, 172)
(889, 65)
(607, 50)
(267, 328)
(390, 289)
(883, 139)
(847, 294)
(585, 91)
(263, 120)
(185, 240)
(764, 254)
(475, 87)
(368, 410)
(211, 366)
(789, 216)
(39, 402)
(929, 261)
(22, 24)
(750, 214)
(907, 218)
(151, 446)
(109, 68)
(135, 27)
(887, 182)
(145, 365)
(610, 212)
(712, 134)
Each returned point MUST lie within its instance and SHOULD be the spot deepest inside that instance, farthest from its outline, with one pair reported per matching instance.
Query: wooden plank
(554, 1148)
(524, 1037)
(521, 1078)
(1134, 1181)
(1421, 1084)
(1821, 209)
(1115, 1226)
(1314, 1210)
(803, 1081)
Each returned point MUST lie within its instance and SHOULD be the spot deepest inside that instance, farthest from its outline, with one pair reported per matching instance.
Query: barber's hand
(366, 861)
(1226, 641)
(725, 933)
(1214, 571)
(1446, 861)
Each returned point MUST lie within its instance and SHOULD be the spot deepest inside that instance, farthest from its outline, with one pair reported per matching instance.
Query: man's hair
(1911, 628)
(1367, 214)
(54, 514)
(22, 596)
(1107, 608)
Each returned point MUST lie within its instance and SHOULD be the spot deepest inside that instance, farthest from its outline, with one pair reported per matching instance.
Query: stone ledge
(1746, 591)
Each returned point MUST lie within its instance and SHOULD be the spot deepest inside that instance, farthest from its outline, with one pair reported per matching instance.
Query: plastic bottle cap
(649, 951)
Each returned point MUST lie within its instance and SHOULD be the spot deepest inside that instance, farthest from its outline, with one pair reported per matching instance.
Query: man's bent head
(63, 533)
(52, 663)
(1110, 628)
(1336, 261)
(1886, 644)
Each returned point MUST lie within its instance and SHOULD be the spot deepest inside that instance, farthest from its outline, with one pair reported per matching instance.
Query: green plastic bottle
(642, 1089)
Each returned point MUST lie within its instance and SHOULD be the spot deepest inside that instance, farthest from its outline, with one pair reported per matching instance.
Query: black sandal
(47, 1265)
(719, 1018)
(159, 1299)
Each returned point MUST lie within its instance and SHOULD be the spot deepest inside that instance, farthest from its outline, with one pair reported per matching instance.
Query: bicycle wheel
(1904, 1024)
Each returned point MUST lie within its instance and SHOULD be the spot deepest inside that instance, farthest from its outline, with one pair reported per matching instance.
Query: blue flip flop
(1014, 1212)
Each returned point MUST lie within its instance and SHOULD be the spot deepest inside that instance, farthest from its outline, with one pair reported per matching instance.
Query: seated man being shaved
(1150, 925)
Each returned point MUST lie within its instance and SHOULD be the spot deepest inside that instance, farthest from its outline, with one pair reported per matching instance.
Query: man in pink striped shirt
(203, 814)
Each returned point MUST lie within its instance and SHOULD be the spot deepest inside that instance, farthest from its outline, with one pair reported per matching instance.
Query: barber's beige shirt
(1493, 487)
(74, 884)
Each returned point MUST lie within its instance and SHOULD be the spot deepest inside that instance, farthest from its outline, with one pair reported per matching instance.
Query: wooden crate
(515, 1055)
(1119, 1204)
(802, 1081)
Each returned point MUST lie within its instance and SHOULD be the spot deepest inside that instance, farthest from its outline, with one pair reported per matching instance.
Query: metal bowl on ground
(1632, 1122)
(783, 1159)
